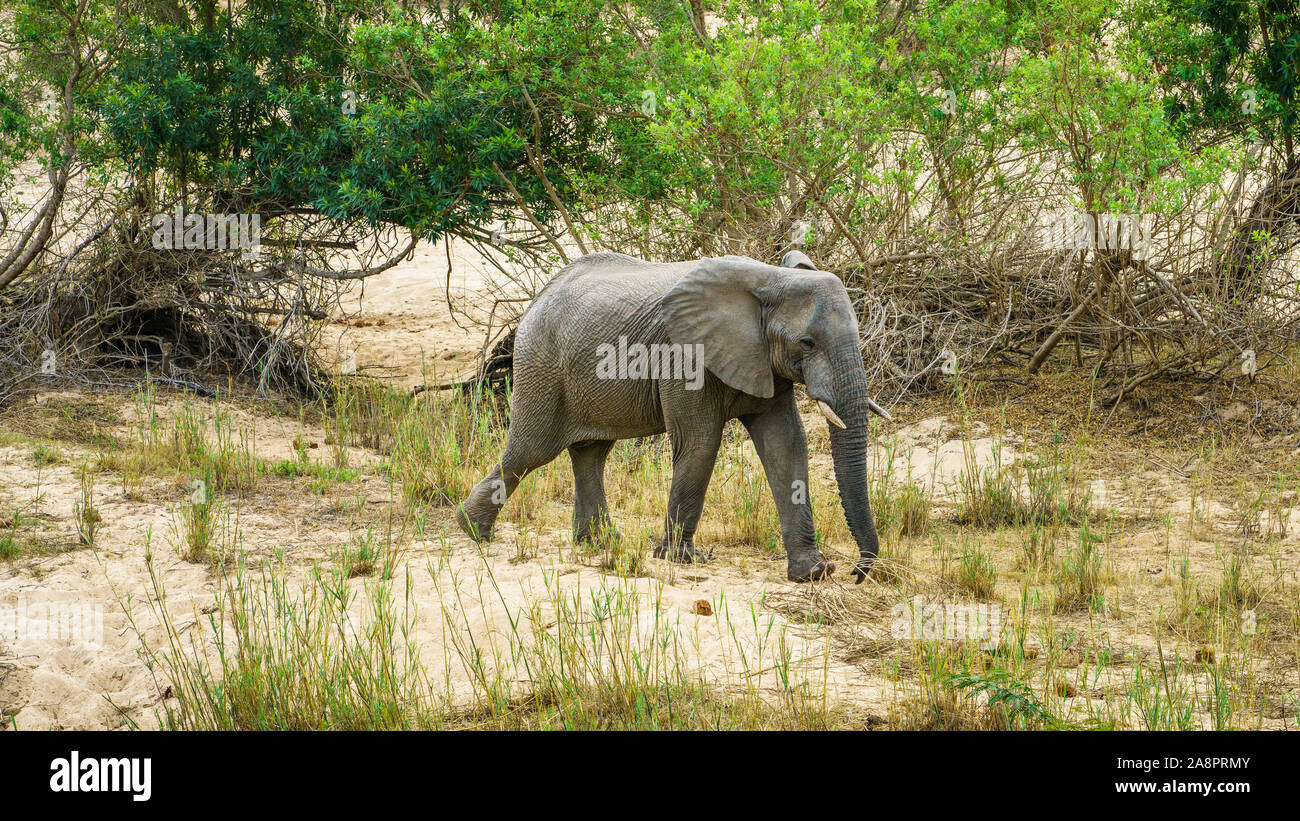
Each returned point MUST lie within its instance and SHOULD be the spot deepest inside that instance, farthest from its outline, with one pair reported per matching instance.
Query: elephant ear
(716, 305)
(797, 259)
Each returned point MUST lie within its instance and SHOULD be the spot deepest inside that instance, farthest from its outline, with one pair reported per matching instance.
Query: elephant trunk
(849, 453)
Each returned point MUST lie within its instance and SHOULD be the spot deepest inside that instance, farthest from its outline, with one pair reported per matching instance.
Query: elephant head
(756, 322)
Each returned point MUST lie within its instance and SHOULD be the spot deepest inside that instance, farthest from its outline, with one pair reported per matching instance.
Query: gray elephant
(614, 347)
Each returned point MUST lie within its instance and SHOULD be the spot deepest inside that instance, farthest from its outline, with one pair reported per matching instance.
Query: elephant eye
(806, 343)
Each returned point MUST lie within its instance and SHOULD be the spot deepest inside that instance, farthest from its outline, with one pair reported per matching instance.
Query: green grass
(44, 454)
(294, 469)
(901, 508)
(437, 444)
(1045, 489)
(85, 513)
(345, 643)
(975, 573)
(1083, 575)
(330, 652)
(195, 525)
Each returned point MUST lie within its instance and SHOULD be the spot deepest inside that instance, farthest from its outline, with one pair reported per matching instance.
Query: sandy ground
(72, 656)
(97, 679)
(399, 326)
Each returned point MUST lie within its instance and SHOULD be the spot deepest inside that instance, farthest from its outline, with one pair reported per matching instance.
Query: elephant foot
(812, 567)
(860, 570)
(682, 553)
(480, 531)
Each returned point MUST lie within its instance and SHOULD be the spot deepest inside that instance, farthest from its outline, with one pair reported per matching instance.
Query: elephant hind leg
(477, 515)
(590, 510)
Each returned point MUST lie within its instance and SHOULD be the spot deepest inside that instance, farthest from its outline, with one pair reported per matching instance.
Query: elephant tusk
(830, 414)
(879, 411)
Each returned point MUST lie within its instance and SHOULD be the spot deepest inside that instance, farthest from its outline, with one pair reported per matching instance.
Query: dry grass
(1171, 603)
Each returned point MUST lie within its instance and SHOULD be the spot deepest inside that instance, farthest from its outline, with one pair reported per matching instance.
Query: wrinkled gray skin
(762, 328)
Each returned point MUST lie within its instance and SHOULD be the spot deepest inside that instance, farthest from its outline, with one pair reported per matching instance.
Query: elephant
(614, 347)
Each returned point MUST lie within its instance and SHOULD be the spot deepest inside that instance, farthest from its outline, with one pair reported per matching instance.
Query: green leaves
(1211, 53)
(1014, 697)
(369, 112)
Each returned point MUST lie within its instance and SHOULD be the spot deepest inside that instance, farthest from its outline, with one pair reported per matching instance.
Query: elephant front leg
(782, 447)
(694, 453)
